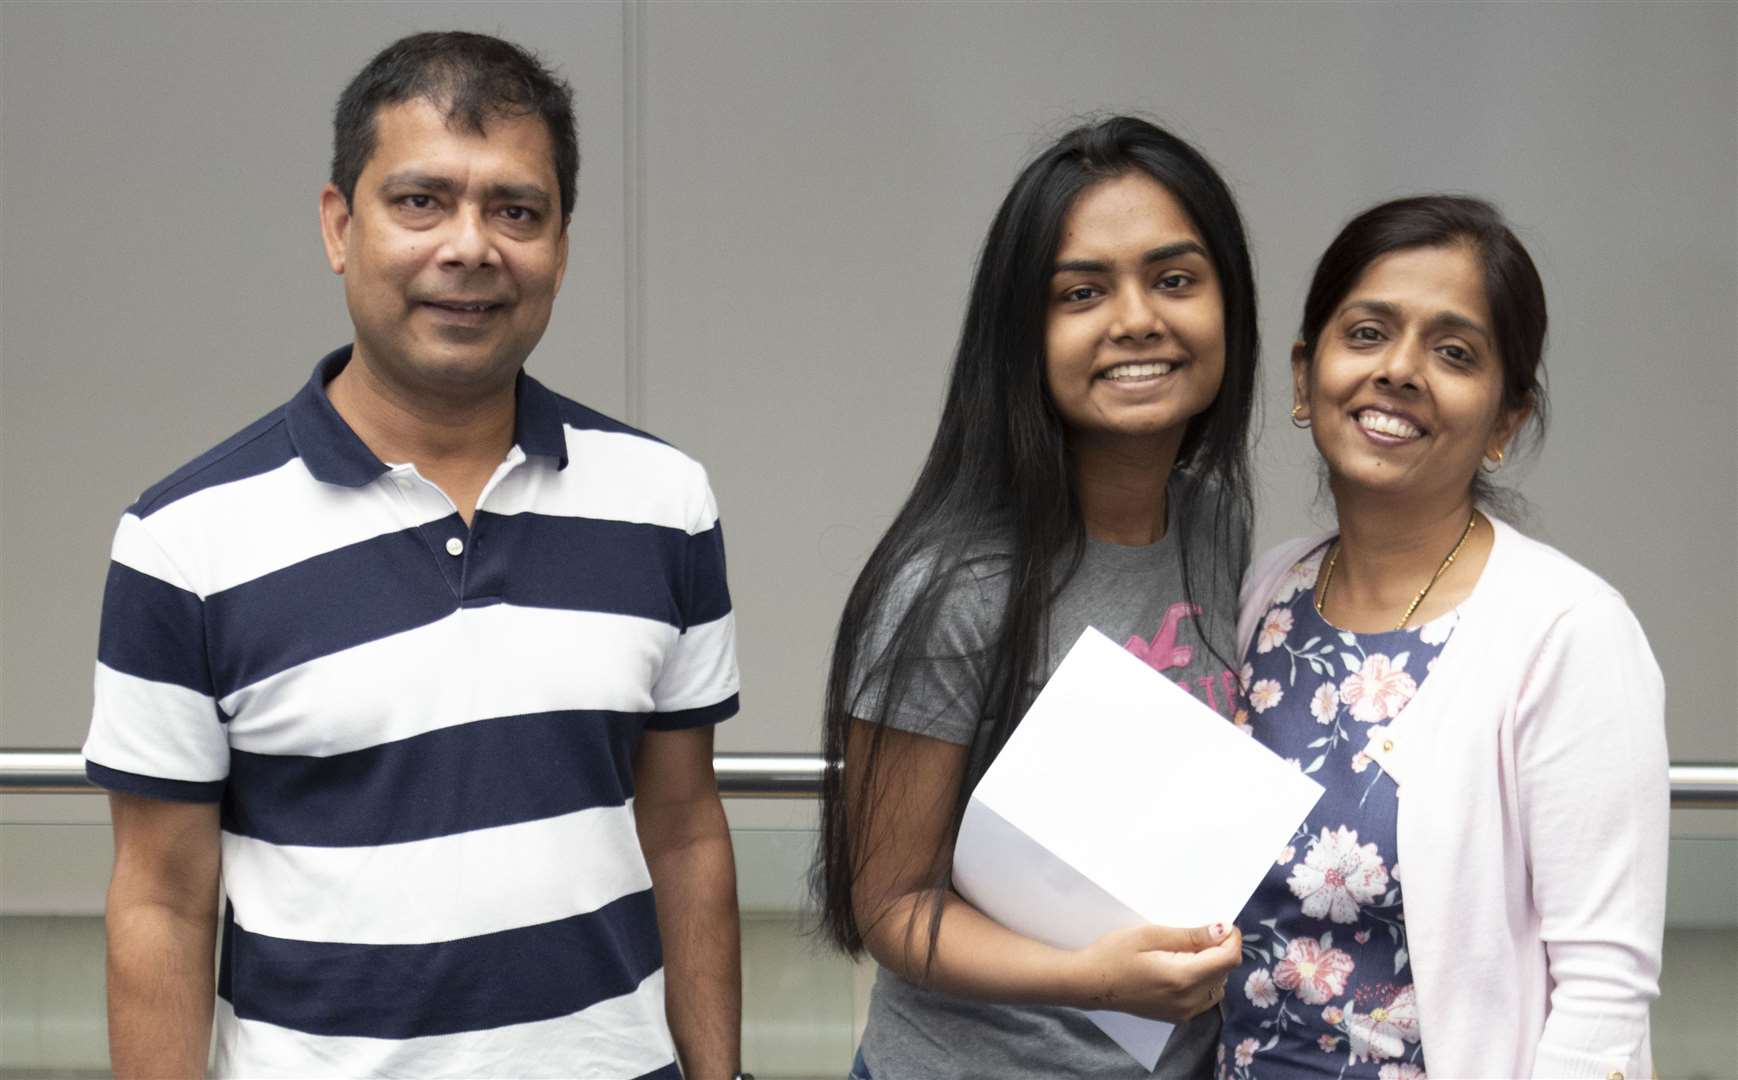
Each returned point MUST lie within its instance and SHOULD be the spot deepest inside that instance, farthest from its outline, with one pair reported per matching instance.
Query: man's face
(452, 250)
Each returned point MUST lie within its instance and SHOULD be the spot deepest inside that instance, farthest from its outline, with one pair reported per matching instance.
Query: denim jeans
(859, 1071)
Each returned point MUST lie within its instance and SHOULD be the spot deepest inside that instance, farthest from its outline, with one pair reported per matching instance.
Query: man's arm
(686, 840)
(162, 928)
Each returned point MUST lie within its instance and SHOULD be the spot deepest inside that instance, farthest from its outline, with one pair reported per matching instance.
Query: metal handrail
(1703, 785)
(741, 776)
(1695, 785)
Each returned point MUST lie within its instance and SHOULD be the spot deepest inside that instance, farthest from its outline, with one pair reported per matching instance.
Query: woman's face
(1135, 332)
(1405, 392)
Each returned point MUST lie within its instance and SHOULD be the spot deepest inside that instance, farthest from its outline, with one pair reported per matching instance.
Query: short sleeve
(939, 691)
(699, 683)
(156, 729)
(1595, 795)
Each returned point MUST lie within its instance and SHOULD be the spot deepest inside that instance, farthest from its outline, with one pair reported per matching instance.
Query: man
(427, 662)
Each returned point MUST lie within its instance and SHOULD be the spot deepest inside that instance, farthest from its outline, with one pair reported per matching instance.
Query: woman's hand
(1151, 971)
(1159, 972)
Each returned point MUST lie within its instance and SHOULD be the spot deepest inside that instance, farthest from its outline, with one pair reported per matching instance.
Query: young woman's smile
(1135, 336)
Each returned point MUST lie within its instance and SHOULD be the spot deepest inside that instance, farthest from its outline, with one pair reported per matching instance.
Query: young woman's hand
(1159, 972)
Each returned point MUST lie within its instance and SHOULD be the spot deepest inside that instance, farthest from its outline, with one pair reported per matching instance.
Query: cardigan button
(1615, 1075)
(1388, 747)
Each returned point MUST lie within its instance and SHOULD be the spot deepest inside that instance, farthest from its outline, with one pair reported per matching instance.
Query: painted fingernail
(1218, 931)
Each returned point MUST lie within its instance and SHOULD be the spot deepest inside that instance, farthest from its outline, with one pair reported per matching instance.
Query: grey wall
(779, 208)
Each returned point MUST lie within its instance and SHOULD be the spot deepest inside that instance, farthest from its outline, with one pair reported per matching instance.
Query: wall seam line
(633, 216)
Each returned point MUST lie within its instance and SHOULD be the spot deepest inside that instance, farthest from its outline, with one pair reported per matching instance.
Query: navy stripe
(583, 418)
(708, 594)
(226, 953)
(154, 787)
(440, 783)
(472, 984)
(678, 719)
(578, 564)
(153, 630)
(392, 583)
(331, 602)
(260, 447)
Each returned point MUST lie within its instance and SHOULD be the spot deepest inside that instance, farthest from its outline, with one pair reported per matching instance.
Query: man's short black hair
(475, 78)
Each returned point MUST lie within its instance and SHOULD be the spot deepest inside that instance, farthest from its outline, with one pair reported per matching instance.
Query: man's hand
(686, 841)
(162, 928)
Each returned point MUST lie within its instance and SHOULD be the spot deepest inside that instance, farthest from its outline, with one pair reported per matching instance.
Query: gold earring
(1495, 463)
(1304, 426)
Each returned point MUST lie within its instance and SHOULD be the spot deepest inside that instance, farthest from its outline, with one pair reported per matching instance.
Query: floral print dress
(1324, 989)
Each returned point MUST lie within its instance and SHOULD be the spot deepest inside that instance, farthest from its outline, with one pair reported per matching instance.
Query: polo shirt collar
(537, 424)
(334, 454)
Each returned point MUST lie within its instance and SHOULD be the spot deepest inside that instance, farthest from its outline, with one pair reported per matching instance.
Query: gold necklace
(1334, 557)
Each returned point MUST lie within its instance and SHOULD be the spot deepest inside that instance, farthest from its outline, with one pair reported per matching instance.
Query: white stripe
(613, 477)
(155, 729)
(135, 547)
(441, 889)
(622, 1037)
(474, 664)
(232, 533)
(701, 669)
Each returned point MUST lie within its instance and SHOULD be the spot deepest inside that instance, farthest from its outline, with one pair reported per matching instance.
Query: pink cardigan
(1534, 800)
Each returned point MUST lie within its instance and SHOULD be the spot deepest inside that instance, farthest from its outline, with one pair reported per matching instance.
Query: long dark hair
(1513, 292)
(998, 485)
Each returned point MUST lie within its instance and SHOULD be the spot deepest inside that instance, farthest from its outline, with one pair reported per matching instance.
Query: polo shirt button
(1387, 744)
(455, 547)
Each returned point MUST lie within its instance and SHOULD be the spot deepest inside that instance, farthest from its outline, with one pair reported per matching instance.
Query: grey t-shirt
(1134, 595)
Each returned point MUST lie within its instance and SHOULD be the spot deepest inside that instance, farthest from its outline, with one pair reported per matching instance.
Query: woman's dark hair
(998, 486)
(1513, 290)
(476, 78)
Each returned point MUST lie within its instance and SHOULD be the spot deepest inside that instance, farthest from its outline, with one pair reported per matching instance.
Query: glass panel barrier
(52, 1021)
(800, 999)
(802, 1003)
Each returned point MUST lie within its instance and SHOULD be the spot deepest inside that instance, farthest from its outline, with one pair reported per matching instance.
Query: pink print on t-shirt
(1164, 653)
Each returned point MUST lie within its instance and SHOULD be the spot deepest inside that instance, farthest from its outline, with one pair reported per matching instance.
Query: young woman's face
(1135, 333)
(1405, 393)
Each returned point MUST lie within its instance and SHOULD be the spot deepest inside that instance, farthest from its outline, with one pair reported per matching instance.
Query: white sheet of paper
(1121, 800)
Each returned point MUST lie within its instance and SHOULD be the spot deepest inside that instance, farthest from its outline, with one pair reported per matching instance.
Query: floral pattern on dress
(1273, 630)
(1338, 876)
(1325, 986)
(1314, 970)
(1265, 694)
(1378, 688)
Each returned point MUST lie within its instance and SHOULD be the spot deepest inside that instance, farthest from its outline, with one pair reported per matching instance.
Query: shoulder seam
(186, 582)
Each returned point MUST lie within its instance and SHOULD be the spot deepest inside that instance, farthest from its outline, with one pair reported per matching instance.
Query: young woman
(1484, 713)
(1089, 469)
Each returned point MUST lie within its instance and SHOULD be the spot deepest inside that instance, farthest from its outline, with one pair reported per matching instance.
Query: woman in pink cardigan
(1481, 890)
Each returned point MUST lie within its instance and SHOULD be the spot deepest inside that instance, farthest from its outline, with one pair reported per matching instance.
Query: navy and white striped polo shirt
(422, 734)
